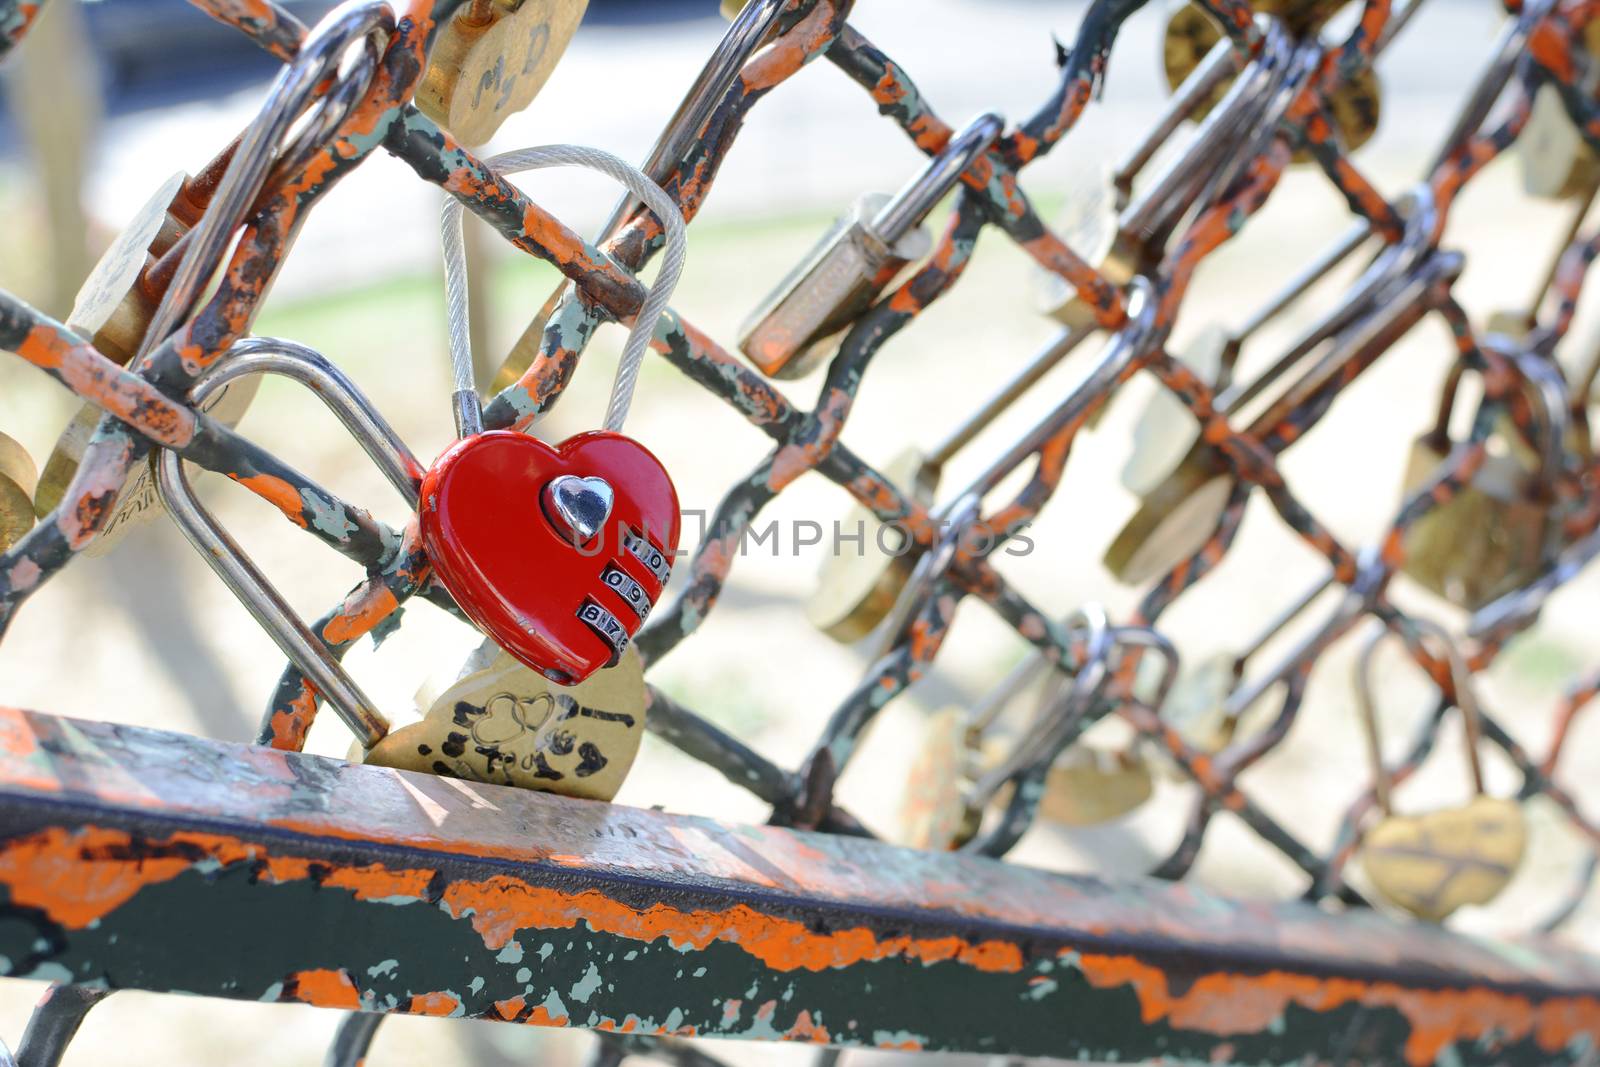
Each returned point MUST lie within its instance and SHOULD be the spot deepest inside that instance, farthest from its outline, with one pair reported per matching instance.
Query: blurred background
(119, 94)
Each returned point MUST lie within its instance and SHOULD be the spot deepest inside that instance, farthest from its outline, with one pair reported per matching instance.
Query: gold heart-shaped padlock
(1436, 862)
(508, 725)
(1432, 864)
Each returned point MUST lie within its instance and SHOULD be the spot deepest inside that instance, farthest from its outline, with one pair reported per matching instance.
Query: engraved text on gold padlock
(508, 725)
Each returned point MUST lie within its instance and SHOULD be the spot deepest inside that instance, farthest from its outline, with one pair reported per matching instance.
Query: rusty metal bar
(359, 888)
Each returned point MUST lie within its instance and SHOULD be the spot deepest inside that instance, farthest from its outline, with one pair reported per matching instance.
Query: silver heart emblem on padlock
(578, 507)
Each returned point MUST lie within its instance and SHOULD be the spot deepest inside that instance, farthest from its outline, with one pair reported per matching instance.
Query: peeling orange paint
(277, 492)
(440, 1004)
(1223, 1003)
(76, 877)
(357, 619)
(377, 883)
(501, 906)
(325, 988)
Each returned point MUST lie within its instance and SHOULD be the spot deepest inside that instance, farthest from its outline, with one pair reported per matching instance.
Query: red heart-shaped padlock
(556, 553)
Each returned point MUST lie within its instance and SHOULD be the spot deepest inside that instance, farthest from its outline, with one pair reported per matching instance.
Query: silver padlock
(854, 262)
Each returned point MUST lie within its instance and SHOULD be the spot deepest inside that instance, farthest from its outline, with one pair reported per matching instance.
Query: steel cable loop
(655, 303)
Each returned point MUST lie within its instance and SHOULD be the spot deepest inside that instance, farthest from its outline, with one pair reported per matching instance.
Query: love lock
(1556, 162)
(559, 552)
(505, 724)
(787, 336)
(1049, 770)
(124, 307)
(18, 477)
(856, 590)
(491, 59)
(1122, 233)
(1087, 784)
(1500, 530)
(1176, 518)
(113, 311)
(261, 356)
(1356, 103)
(967, 768)
(1166, 429)
(1434, 863)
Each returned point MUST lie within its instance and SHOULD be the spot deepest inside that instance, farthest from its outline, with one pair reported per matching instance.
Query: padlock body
(482, 71)
(1487, 540)
(1355, 104)
(504, 724)
(18, 478)
(860, 580)
(787, 336)
(492, 545)
(1556, 162)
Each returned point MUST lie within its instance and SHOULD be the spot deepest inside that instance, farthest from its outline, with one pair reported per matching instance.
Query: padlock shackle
(308, 652)
(955, 520)
(1053, 727)
(1064, 344)
(1169, 194)
(1125, 346)
(1546, 385)
(1371, 296)
(1287, 67)
(1542, 381)
(1503, 59)
(465, 400)
(1524, 604)
(1149, 638)
(261, 147)
(1219, 64)
(1465, 700)
(1371, 575)
(1309, 276)
(907, 208)
(1398, 309)
(310, 368)
(750, 29)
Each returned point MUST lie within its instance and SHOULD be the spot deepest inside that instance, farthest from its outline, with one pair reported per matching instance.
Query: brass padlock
(491, 59)
(1497, 533)
(1088, 785)
(934, 813)
(1356, 104)
(1432, 864)
(1209, 702)
(788, 335)
(1166, 429)
(1175, 519)
(506, 724)
(856, 589)
(971, 760)
(1121, 232)
(113, 311)
(18, 477)
(1197, 708)
(1555, 160)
